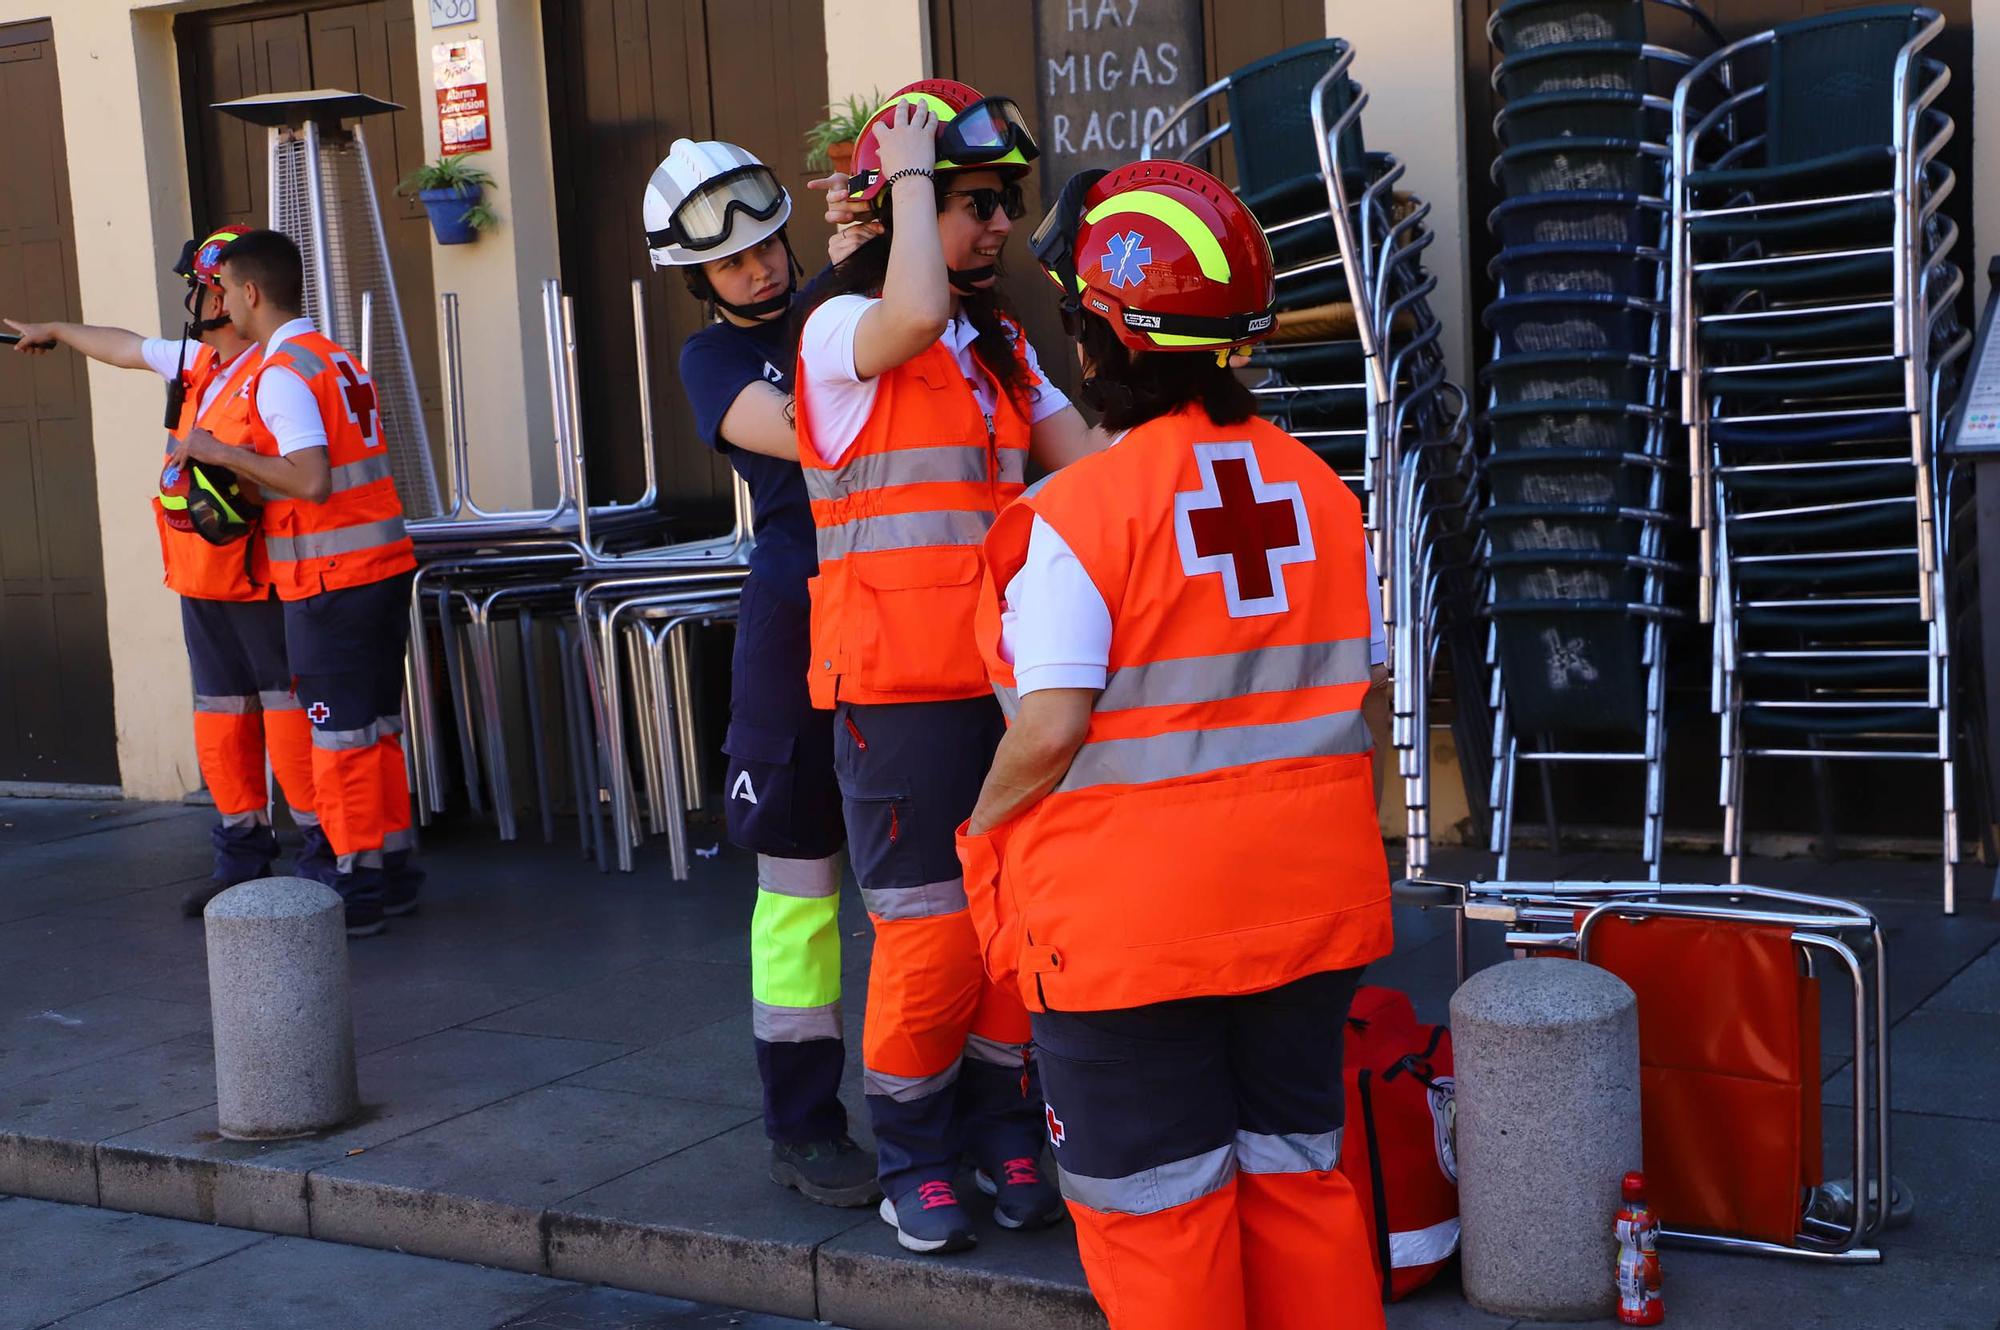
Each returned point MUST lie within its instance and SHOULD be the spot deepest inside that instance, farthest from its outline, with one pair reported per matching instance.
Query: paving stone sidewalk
(557, 1077)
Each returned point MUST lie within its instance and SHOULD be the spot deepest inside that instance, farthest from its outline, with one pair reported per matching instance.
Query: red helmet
(199, 266)
(975, 133)
(1166, 253)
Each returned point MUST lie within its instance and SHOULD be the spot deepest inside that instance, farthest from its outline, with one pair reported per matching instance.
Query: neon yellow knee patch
(795, 950)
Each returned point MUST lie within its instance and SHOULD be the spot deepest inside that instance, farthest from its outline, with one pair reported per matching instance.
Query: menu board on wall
(1108, 73)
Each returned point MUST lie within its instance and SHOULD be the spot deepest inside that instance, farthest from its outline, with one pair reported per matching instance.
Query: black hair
(272, 261)
(989, 311)
(1157, 383)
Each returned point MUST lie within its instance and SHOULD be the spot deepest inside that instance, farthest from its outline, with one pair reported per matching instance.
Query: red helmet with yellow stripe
(1165, 253)
(975, 133)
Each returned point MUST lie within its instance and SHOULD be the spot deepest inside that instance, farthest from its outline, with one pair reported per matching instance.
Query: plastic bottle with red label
(1639, 1300)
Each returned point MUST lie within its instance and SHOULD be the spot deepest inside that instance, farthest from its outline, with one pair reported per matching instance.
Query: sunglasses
(985, 202)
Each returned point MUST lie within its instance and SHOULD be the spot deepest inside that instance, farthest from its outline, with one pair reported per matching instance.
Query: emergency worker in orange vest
(335, 549)
(1174, 858)
(231, 621)
(919, 402)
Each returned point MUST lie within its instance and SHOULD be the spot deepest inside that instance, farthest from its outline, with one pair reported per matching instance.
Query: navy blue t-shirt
(717, 364)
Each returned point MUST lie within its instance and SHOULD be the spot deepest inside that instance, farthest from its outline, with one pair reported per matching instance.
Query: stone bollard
(1546, 1053)
(277, 989)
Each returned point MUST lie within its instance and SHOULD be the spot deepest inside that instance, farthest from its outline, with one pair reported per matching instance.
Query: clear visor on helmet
(702, 220)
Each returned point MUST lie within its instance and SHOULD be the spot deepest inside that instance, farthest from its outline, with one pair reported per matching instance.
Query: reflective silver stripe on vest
(1038, 486)
(1292, 1152)
(1152, 1190)
(805, 879)
(994, 1052)
(903, 1089)
(1193, 752)
(353, 475)
(900, 531)
(347, 863)
(926, 900)
(341, 540)
(279, 699)
(403, 839)
(340, 741)
(304, 360)
(942, 465)
(1013, 465)
(217, 704)
(794, 1025)
(305, 817)
(1236, 674)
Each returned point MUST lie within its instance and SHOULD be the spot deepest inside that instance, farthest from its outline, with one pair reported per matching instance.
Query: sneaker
(366, 921)
(197, 899)
(836, 1172)
(1025, 1199)
(398, 906)
(930, 1219)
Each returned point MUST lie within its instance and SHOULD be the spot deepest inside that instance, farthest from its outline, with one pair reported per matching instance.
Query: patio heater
(322, 196)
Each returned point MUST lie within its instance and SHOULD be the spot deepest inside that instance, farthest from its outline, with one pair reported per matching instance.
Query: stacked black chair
(1576, 489)
(1814, 292)
(1356, 367)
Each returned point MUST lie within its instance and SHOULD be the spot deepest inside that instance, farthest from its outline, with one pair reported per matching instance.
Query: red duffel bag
(1397, 1146)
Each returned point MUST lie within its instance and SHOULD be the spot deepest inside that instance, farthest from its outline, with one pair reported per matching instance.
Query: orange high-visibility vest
(899, 519)
(193, 566)
(357, 535)
(1216, 833)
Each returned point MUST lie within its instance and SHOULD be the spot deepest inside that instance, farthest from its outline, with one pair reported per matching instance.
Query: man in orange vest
(336, 552)
(233, 626)
(1174, 858)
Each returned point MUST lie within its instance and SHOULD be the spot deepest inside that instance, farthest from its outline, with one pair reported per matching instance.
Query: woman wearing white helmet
(716, 213)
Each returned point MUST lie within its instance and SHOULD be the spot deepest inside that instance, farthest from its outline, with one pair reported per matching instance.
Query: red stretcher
(1729, 981)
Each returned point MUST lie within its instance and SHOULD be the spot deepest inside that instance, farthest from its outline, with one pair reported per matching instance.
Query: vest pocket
(908, 624)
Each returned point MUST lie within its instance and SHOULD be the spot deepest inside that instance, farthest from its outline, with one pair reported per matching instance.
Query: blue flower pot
(447, 208)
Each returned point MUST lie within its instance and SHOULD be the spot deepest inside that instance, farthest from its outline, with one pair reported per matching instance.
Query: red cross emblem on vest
(317, 713)
(360, 395)
(1242, 527)
(1056, 1133)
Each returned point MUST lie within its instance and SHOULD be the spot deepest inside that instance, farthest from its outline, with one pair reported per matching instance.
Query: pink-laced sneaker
(1023, 1198)
(929, 1219)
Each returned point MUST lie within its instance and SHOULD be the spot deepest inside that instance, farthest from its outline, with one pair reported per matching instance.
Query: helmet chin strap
(967, 280)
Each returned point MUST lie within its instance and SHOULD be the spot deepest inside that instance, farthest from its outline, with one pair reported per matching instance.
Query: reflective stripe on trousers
(340, 540)
(1164, 1186)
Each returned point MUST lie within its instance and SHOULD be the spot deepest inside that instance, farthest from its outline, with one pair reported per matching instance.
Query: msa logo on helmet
(1097, 303)
(1260, 323)
(1141, 320)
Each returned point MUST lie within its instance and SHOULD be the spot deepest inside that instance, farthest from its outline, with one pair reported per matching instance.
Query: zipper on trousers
(855, 731)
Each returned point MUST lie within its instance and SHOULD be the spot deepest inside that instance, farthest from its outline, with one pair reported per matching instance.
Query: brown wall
(55, 663)
(371, 48)
(627, 78)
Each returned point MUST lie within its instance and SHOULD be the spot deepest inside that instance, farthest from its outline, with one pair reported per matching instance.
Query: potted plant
(450, 190)
(830, 143)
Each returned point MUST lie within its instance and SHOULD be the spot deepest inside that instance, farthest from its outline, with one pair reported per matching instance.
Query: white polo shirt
(284, 403)
(1056, 629)
(841, 399)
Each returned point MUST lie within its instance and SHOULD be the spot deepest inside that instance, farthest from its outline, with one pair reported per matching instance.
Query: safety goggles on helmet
(986, 202)
(1054, 241)
(703, 219)
(984, 132)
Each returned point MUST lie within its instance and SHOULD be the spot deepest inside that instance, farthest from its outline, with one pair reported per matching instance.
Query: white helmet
(710, 200)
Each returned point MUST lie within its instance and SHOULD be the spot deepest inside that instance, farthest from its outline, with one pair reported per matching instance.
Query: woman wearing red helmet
(1175, 857)
(919, 402)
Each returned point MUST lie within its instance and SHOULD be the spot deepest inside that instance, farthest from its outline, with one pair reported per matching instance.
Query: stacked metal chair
(1814, 289)
(618, 600)
(1576, 495)
(1355, 369)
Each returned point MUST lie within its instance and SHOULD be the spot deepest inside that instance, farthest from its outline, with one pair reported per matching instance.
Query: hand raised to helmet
(907, 138)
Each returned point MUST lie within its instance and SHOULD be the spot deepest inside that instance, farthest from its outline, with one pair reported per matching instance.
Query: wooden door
(56, 721)
(369, 48)
(627, 78)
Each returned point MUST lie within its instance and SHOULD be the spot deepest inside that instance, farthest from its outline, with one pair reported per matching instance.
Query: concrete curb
(857, 1278)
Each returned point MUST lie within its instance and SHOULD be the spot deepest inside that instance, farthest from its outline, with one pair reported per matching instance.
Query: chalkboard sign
(1107, 74)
